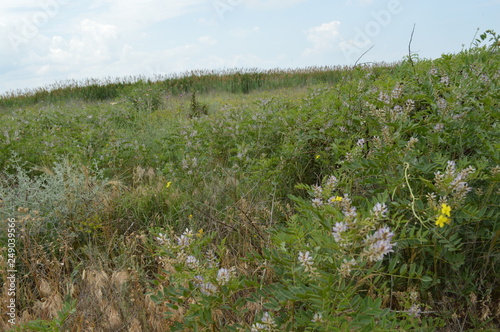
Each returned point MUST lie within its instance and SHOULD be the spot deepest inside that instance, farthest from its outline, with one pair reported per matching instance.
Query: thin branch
(363, 55)
(409, 49)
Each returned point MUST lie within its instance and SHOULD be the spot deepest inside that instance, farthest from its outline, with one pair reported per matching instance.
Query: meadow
(360, 198)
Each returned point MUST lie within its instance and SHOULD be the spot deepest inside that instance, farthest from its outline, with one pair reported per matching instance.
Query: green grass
(287, 179)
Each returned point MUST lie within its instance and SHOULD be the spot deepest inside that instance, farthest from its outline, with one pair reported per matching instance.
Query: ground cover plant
(352, 199)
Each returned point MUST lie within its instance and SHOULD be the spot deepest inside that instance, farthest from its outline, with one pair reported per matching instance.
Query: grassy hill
(359, 198)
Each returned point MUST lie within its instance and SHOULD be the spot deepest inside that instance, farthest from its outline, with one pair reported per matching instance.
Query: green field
(358, 198)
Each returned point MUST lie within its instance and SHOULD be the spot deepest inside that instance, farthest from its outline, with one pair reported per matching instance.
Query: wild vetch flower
(183, 241)
(346, 267)
(317, 318)
(208, 288)
(438, 127)
(331, 183)
(441, 104)
(414, 310)
(383, 233)
(212, 259)
(306, 260)
(317, 191)
(192, 262)
(411, 143)
(384, 97)
(317, 202)
(224, 275)
(445, 80)
(337, 230)
(398, 109)
(360, 142)
(379, 210)
(266, 324)
(162, 239)
(378, 244)
(348, 210)
(397, 91)
(410, 105)
(433, 71)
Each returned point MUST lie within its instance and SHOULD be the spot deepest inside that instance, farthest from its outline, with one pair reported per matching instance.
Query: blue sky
(45, 41)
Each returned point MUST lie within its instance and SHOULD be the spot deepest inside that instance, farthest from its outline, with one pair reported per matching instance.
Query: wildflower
(441, 220)
(317, 156)
(168, 184)
(445, 80)
(200, 233)
(446, 209)
(266, 323)
(317, 202)
(318, 318)
(224, 275)
(334, 199)
(192, 262)
(162, 239)
(379, 210)
(331, 183)
(185, 239)
(346, 266)
(317, 191)
(414, 310)
(379, 244)
(410, 105)
(438, 127)
(340, 227)
(441, 104)
(411, 143)
(306, 261)
(208, 288)
(360, 142)
(212, 259)
(397, 91)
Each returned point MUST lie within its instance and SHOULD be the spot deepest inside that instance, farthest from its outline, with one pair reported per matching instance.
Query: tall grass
(361, 198)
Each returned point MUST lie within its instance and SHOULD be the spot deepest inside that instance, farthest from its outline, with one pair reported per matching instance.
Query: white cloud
(240, 33)
(323, 37)
(131, 14)
(207, 40)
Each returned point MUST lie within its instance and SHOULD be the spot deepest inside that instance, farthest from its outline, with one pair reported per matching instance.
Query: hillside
(361, 198)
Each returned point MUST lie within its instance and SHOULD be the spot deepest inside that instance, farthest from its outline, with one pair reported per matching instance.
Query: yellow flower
(335, 199)
(168, 184)
(442, 219)
(446, 210)
(317, 156)
(200, 233)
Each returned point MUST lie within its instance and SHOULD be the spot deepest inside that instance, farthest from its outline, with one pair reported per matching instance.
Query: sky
(47, 41)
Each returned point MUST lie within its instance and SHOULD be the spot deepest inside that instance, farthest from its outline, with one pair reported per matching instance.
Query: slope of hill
(362, 198)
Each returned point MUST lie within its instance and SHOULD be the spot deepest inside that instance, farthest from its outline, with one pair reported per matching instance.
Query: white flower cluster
(453, 182)
(306, 260)
(379, 211)
(337, 230)
(180, 248)
(321, 194)
(378, 244)
(266, 324)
